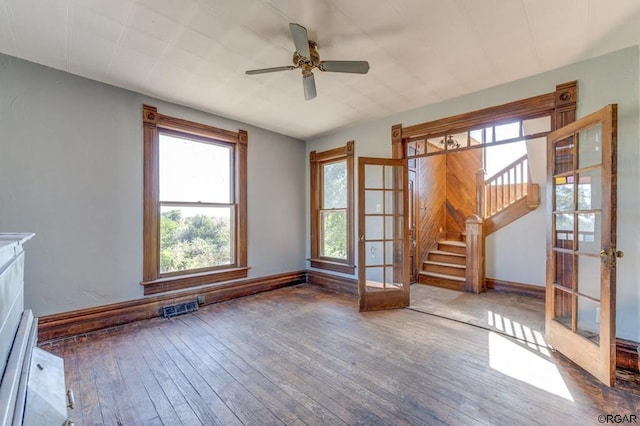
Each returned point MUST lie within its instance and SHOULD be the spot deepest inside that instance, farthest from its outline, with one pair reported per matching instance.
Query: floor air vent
(179, 309)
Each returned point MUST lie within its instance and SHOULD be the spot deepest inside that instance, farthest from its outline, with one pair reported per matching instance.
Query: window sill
(333, 266)
(165, 284)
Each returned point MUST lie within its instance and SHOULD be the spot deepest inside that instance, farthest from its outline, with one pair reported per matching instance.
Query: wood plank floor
(303, 355)
(510, 313)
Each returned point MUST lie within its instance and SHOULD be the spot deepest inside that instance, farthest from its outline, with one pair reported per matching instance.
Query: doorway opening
(489, 174)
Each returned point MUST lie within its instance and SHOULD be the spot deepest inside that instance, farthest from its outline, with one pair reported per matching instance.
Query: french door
(383, 266)
(581, 245)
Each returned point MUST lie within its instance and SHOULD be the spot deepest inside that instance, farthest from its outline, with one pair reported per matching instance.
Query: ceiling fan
(306, 58)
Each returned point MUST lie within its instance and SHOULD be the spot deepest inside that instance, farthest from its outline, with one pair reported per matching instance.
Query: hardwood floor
(510, 313)
(303, 355)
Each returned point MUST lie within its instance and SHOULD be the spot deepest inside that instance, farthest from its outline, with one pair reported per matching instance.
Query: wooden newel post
(480, 200)
(475, 254)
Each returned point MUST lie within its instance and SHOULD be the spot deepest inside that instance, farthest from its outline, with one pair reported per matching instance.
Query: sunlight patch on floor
(522, 362)
(532, 338)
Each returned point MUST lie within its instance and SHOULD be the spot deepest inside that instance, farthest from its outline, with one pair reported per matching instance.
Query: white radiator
(32, 389)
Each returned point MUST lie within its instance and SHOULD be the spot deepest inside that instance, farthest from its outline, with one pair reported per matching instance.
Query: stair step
(442, 276)
(442, 280)
(454, 243)
(444, 268)
(447, 257)
(458, 247)
(453, 265)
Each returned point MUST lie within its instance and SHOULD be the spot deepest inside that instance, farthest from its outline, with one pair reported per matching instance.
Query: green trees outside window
(331, 202)
(333, 212)
(193, 242)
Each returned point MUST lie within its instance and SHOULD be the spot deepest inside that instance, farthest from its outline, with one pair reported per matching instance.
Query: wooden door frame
(412, 222)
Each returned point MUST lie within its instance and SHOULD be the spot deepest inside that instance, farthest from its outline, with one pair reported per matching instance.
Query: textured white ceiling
(195, 52)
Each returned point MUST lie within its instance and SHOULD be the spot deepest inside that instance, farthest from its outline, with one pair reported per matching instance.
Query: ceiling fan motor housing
(307, 64)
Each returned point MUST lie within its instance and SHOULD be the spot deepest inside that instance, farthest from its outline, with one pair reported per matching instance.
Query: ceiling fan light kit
(306, 58)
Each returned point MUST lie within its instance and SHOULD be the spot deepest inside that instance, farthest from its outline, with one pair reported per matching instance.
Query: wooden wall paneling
(430, 202)
(461, 168)
(413, 200)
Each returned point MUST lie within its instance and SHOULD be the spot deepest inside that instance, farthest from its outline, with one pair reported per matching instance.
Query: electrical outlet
(598, 315)
(200, 299)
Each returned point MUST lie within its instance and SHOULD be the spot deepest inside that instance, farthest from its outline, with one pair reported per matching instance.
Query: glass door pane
(383, 273)
(580, 312)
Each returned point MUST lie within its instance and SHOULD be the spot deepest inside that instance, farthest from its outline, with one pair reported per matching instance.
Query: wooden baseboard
(333, 282)
(527, 289)
(627, 354)
(81, 321)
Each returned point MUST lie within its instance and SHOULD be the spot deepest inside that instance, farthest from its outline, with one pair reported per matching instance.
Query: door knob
(619, 253)
(604, 254)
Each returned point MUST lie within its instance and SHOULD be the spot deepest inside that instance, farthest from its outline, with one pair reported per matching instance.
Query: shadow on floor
(515, 315)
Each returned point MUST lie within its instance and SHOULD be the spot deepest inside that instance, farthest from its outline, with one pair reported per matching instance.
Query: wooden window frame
(152, 281)
(316, 161)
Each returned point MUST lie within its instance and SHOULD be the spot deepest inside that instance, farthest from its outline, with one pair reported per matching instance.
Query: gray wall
(613, 78)
(71, 171)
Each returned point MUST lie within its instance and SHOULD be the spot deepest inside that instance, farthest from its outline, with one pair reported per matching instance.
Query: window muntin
(331, 209)
(195, 212)
(498, 133)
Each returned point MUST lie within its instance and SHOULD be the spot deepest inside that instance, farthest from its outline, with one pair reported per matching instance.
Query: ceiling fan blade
(274, 69)
(309, 84)
(354, 67)
(300, 39)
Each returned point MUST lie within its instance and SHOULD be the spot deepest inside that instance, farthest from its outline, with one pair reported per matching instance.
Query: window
(194, 203)
(491, 134)
(332, 209)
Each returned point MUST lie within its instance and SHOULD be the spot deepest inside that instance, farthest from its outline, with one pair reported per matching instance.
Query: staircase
(445, 266)
(506, 196)
(501, 199)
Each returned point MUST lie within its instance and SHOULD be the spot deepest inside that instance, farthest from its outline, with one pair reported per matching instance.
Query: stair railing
(509, 185)
(503, 189)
